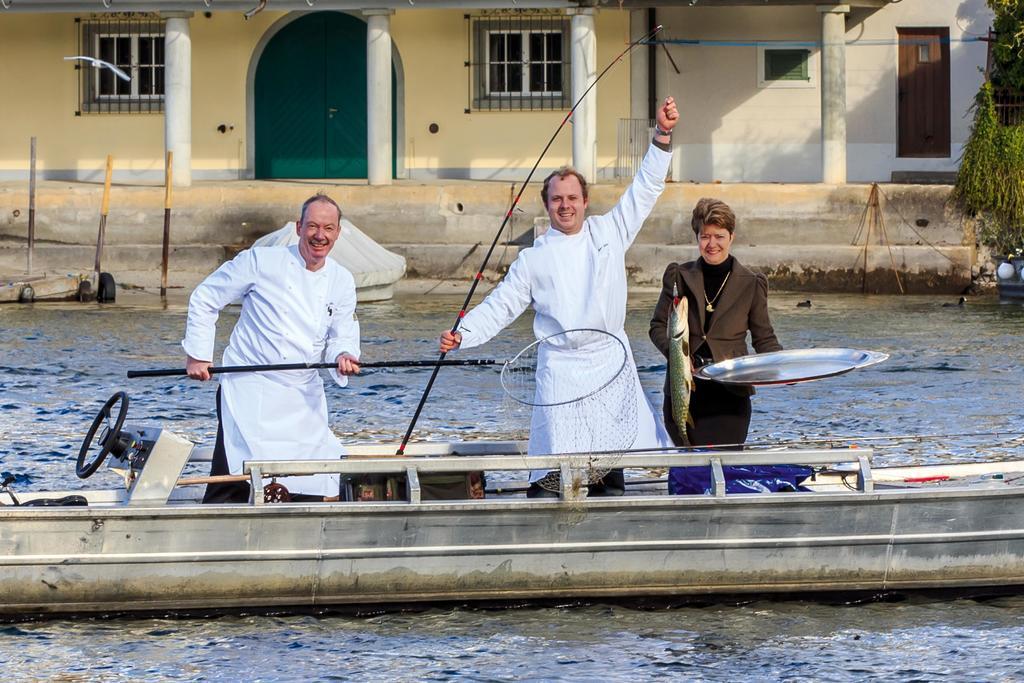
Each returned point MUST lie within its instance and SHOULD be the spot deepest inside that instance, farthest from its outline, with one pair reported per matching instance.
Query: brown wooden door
(923, 96)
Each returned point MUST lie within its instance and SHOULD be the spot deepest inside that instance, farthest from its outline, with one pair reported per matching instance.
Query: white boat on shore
(374, 268)
(154, 547)
(25, 288)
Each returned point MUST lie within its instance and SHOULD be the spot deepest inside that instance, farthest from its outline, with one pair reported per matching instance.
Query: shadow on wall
(974, 17)
(744, 132)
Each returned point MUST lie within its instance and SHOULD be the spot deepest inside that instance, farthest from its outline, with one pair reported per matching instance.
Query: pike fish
(680, 368)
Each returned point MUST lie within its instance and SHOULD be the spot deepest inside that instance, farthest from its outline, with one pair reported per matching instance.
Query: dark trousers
(720, 416)
(611, 484)
(235, 491)
(229, 492)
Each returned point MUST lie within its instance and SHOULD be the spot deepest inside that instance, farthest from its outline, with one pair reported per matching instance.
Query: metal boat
(25, 288)
(154, 547)
(1011, 288)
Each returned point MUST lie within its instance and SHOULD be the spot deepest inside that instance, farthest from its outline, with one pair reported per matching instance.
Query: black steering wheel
(108, 438)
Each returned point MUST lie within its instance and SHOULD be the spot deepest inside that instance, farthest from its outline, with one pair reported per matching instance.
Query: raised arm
(496, 312)
(637, 202)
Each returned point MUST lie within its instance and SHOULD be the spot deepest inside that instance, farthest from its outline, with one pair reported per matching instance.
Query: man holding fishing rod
(298, 306)
(574, 277)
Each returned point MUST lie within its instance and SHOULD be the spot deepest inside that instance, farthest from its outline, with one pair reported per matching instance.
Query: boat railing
(261, 470)
(202, 454)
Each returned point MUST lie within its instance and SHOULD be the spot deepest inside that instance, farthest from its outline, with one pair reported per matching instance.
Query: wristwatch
(659, 131)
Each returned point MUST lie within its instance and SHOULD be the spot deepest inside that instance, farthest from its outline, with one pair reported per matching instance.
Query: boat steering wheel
(109, 438)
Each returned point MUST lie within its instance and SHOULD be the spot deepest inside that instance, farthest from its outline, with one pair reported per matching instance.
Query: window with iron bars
(134, 43)
(518, 61)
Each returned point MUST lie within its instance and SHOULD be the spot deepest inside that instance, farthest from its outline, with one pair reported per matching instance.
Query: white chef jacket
(289, 315)
(577, 281)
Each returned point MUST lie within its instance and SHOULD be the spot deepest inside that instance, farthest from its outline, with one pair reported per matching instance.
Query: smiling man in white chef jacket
(298, 306)
(574, 276)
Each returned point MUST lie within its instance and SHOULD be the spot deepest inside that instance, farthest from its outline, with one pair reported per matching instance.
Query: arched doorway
(309, 98)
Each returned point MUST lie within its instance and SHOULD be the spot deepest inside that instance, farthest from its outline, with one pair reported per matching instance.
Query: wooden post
(32, 204)
(103, 221)
(168, 172)
(872, 196)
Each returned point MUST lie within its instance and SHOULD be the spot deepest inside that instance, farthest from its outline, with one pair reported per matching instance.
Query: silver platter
(789, 367)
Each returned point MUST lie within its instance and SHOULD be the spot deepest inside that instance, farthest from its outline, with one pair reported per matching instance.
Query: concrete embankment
(804, 237)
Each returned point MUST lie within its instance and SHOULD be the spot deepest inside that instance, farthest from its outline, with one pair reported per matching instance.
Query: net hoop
(509, 385)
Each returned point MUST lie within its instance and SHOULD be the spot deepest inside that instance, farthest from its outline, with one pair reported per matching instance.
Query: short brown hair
(715, 212)
(318, 197)
(563, 172)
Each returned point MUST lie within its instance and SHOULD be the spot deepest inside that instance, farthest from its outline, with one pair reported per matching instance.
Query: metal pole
(867, 242)
(103, 222)
(167, 224)
(32, 204)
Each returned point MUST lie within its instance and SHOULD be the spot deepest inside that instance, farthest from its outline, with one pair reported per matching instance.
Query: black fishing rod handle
(132, 374)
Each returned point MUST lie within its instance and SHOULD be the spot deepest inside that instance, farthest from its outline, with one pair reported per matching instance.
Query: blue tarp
(750, 479)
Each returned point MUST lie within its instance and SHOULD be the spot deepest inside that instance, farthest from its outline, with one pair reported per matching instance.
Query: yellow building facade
(768, 90)
(439, 130)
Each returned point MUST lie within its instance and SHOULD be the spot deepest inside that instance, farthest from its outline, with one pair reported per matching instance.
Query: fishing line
(508, 216)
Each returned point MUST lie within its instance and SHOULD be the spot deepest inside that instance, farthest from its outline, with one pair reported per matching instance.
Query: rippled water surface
(954, 372)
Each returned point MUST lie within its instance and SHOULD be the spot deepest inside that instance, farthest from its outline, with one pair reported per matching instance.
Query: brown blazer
(742, 306)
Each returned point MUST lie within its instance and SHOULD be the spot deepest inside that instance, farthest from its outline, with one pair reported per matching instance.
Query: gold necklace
(710, 308)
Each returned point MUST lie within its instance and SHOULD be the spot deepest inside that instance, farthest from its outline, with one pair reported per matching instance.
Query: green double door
(310, 100)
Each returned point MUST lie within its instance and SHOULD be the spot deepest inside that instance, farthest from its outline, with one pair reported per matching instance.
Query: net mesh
(579, 390)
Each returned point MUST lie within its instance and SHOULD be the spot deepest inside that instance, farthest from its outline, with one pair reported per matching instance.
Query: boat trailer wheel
(109, 438)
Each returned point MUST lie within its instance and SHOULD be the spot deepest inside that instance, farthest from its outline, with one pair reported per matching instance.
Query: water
(954, 372)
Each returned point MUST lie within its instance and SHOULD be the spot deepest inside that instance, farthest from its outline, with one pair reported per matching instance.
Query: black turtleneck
(714, 279)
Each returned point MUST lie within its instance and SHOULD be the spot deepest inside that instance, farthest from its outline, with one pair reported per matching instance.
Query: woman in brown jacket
(726, 300)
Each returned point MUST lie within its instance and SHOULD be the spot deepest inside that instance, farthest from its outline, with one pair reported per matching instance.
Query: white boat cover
(370, 264)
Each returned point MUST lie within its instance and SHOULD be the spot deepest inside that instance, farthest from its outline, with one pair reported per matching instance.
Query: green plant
(1008, 48)
(1004, 243)
(990, 182)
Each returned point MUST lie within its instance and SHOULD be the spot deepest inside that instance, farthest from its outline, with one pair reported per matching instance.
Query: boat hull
(193, 557)
(45, 287)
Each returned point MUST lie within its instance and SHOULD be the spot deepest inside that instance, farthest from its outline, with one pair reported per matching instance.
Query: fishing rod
(177, 372)
(508, 215)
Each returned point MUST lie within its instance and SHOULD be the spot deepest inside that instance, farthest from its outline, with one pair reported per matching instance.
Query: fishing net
(579, 388)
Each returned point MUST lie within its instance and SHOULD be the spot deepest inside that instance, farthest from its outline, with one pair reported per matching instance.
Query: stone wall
(805, 237)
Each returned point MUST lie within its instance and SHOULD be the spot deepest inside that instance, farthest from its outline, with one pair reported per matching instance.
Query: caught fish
(680, 368)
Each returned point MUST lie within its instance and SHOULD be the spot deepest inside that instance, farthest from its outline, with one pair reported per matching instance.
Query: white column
(833, 93)
(178, 94)
(378, 96)
(584, 71)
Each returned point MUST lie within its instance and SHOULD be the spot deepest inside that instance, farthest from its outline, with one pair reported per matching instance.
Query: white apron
(289, 315)
(572, 282)
(267, 419)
